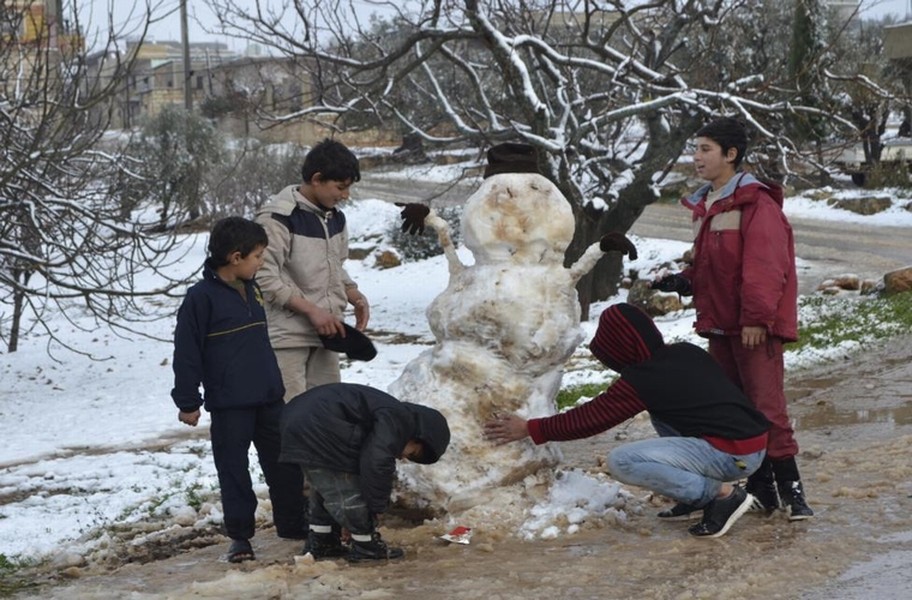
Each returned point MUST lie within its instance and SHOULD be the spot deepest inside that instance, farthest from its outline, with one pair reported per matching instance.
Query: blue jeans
(686, 469)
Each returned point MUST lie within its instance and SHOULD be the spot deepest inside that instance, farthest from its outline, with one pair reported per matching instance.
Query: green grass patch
(12, 577)
(569, 396)
(827, 321)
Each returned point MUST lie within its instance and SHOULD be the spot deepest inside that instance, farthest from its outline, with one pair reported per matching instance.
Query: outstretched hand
(619, 243)
(503, 429)
(413, 215)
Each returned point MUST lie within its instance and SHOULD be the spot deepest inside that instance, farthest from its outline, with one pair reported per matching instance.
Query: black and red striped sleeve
(613, 406)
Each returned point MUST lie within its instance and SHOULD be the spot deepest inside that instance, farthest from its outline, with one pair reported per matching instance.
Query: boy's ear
(731, 154)
(234, 257)
(315, 178)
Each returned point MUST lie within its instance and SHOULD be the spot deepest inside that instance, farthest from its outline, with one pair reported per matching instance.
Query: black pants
(232, 432)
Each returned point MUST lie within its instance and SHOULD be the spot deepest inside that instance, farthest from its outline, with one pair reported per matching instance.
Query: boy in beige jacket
(304, 283)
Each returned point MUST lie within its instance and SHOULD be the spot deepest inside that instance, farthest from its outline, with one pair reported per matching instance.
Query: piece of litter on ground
(458, 535)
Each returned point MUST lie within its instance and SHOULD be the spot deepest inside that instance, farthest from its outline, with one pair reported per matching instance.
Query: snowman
(504, 328)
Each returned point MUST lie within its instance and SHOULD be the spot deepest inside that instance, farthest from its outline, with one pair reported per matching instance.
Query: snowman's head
(517, 217)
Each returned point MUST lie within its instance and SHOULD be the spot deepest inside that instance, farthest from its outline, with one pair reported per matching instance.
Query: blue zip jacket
(222, 343)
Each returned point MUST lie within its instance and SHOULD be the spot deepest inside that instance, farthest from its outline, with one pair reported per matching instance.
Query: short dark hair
(235, 234)
(728, 133)
(333, 161)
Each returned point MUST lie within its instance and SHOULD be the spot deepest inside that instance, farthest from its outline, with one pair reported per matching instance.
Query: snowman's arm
(586, 262)
(435, 222)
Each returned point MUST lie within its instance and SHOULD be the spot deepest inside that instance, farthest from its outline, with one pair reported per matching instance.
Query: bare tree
(608, 91)
(66, 244)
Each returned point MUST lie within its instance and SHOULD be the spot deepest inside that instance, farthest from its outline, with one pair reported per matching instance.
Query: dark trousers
(232, 431)
(335, 499)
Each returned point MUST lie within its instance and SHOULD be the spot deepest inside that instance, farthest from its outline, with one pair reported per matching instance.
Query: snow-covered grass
(89, 443)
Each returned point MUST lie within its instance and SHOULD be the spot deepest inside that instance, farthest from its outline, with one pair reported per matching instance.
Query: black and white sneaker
(792, 494)
(720, 514)
(680, 512)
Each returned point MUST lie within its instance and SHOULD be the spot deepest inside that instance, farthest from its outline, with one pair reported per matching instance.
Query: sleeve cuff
(535, 432)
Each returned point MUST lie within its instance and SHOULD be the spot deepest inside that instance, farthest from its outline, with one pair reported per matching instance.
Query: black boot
(790, 489)
(375, 549)
(762, 486)
(325, 545)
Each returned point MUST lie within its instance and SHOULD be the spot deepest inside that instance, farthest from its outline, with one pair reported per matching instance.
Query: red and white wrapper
(458, 535)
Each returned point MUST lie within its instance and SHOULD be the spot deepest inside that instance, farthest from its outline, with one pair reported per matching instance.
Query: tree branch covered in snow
(607, 91)
(66, 243)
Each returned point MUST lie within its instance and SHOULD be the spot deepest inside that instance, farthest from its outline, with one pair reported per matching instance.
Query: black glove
(619, 242)
(673, 283)
(413, 215)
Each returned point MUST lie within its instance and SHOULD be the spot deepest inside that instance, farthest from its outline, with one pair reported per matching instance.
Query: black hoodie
(679, 384)
(359, 429)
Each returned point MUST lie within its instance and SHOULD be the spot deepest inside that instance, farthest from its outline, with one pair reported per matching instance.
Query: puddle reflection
(827, 415)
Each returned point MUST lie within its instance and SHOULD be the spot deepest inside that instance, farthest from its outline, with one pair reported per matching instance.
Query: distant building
(37, 28)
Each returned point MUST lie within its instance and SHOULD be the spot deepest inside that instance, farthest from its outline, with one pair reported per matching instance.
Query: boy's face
(327, 193)
(711, 163)
(246, 267)
(412, 451)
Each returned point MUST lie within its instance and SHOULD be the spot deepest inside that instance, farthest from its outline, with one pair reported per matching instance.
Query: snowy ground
(92, 442)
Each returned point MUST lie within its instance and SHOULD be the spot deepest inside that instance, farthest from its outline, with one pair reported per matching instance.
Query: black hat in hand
(355, 344)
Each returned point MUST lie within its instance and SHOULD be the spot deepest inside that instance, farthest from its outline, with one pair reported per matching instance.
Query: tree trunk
(18, 303)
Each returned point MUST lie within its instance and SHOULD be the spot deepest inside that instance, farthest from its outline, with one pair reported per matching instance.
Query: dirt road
(854, 423)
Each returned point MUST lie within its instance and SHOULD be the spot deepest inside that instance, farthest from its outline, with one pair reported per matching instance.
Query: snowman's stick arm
(435, 222)
(586, 262)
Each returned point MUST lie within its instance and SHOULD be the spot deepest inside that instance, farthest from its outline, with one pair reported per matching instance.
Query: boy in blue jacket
(221, 342)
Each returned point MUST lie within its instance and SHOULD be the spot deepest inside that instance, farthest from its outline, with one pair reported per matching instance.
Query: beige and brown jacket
(307, 246)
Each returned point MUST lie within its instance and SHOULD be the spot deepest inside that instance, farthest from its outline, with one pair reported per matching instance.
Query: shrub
(420, 247)
(250, 175)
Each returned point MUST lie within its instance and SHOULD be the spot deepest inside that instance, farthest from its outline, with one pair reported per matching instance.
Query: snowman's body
(504, 327)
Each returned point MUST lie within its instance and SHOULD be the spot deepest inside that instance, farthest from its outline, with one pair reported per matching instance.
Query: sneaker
(792, 495)
(720, 514)
(375, 549)
(762, 486)
(680, 512)
(325, 546)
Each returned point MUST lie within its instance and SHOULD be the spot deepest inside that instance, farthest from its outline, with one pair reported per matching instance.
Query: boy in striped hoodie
(711, 434)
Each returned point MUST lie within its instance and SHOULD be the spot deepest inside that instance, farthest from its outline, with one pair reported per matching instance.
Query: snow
(88, 443)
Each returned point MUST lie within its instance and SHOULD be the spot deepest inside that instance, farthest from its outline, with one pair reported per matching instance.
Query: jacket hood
(432, 430)
(736, 183)
(625, 336)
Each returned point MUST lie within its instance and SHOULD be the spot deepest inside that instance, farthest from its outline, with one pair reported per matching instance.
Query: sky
(105, 456)
(200, 18)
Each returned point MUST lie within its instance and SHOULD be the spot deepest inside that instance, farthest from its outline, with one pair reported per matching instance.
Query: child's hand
(190, 418)
(503, 429)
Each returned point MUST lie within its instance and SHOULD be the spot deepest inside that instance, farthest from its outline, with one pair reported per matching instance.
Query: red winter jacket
(743, 271)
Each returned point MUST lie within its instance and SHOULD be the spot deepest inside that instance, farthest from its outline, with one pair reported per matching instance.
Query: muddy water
(854, 426)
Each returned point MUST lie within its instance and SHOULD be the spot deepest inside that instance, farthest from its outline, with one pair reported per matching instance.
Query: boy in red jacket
(745, 292)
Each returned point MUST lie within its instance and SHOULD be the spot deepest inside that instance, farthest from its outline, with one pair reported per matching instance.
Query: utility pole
(185, 42)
